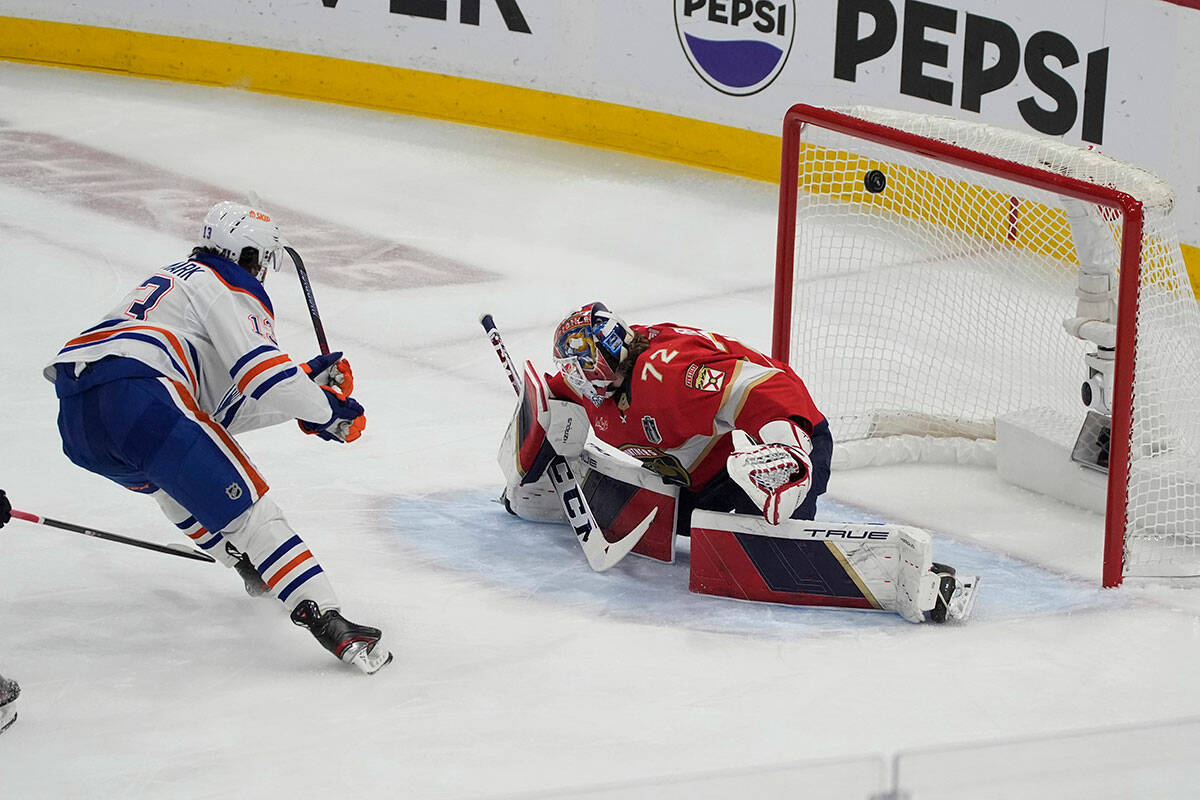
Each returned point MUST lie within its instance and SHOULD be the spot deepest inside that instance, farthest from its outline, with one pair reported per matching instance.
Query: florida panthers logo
(704, 378)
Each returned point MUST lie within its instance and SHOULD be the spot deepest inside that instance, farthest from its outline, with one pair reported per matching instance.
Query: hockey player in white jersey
(151, 396)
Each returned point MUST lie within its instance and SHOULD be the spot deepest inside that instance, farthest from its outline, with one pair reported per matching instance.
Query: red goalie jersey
(684, 395)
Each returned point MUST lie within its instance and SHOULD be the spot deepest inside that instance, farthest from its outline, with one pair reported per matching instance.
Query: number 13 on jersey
(151, 292)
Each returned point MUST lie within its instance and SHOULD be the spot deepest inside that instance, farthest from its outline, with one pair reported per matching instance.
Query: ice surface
(517, 669)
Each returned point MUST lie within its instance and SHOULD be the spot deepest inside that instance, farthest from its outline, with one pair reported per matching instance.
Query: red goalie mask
(589, 346)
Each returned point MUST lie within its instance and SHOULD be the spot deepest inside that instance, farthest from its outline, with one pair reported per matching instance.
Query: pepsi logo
(737, 46)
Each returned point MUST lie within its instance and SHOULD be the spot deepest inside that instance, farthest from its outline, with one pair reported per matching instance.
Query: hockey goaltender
(646, 432)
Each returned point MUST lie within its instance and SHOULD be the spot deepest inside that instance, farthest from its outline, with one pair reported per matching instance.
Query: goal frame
(801, 115)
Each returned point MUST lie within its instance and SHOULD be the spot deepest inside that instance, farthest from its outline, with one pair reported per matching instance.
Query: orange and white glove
(346, 422)
(330, 370)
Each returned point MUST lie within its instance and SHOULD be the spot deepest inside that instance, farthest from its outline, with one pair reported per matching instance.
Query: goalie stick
(600, 552)
(180, 550)
(306, 285)
(489, 327)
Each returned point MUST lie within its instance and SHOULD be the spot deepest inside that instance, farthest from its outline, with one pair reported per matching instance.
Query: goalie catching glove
(346, 423)
(776, 475)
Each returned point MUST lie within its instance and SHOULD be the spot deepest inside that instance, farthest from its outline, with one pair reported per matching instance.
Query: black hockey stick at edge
(181, 550)
(306, 285)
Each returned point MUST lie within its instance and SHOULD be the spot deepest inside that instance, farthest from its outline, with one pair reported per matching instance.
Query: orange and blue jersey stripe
(261, 368)
(113, 330)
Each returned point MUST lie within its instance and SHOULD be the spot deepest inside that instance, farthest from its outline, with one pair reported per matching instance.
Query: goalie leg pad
(541, 429)
(622, 492)
(537, 501)
(621, 495)
(744, 557)
(827, 564)
(621, 507)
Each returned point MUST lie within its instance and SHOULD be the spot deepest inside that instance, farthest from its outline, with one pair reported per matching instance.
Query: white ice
(517, 670)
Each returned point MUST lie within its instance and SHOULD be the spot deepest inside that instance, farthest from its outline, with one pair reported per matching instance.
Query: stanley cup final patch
(704, 378)
(650, 428)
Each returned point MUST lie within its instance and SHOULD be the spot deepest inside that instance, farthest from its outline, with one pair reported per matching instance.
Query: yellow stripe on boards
(983, 217)
(1191, 257)
(494, 105)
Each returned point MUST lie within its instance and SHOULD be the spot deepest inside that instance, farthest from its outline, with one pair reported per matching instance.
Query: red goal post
(943, 205)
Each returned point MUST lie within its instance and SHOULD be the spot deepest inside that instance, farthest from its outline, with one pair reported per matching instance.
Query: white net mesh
(931, 307)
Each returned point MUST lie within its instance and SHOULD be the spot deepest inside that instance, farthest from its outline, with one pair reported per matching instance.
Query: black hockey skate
(354, 644)
(255, 585)
(9, 691)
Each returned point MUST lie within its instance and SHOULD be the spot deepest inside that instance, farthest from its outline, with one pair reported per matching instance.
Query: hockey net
(925, 269)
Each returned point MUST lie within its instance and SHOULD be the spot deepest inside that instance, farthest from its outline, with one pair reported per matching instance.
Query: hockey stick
(489, 326)
(601, 553)
(310, 299)
(180, 551)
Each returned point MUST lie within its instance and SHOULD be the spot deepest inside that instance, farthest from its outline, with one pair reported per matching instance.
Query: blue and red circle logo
(737, 46)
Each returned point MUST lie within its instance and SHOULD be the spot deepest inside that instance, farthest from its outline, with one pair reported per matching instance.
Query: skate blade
(367, 657)
(962, 602)
(6, 721)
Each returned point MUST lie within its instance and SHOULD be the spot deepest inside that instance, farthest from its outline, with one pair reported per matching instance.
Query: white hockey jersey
(209, 325)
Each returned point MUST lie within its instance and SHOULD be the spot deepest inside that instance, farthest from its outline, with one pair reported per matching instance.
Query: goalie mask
(244, 235)
(589, 346)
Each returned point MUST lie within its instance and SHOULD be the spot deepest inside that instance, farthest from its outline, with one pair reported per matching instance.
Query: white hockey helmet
(245, 235)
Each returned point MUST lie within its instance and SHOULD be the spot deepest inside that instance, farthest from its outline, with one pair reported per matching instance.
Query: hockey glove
(330, 370)
(775, 476)
(345, 425)
(5, 509)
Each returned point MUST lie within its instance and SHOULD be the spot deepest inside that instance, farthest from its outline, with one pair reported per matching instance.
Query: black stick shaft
(306, 285)
(112, 537)
(489, 326)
